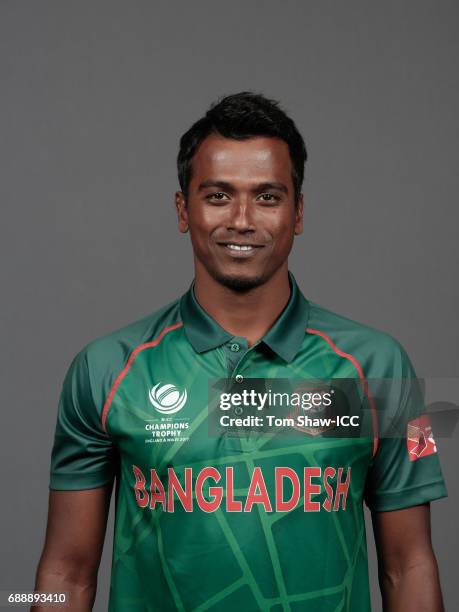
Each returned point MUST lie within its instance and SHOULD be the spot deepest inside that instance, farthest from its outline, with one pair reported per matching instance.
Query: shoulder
(378, 352)
(102, 359)
(126, 338)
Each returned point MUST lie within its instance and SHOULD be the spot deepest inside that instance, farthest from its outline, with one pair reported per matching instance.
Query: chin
(237, 282)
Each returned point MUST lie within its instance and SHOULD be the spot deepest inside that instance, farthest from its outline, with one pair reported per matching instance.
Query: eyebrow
(228, 187)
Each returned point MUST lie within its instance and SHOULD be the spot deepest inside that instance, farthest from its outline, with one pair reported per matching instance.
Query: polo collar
(284, 337)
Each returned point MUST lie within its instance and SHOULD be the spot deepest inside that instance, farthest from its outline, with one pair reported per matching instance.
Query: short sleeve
(406, 469)
(83, 456)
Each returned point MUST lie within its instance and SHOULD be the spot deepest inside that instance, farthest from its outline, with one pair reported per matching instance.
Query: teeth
(237, 247)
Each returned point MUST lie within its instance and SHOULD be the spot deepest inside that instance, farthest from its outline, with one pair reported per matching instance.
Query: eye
(218, 195)
(271, 198)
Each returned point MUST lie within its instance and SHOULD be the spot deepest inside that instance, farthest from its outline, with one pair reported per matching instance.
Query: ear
(299, 215)
(182, 212)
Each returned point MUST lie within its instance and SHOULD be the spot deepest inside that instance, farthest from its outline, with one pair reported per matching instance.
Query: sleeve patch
(419, 438)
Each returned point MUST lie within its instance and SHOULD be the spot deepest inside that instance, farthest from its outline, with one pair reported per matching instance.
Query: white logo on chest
(167, 399)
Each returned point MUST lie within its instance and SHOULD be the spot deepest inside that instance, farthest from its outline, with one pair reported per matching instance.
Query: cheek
(201, 228)
(206, 220)
(282, 228)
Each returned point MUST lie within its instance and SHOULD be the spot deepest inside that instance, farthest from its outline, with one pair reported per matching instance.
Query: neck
(249, 314)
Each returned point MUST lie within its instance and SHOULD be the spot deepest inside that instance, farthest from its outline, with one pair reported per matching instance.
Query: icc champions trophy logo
(167, 399)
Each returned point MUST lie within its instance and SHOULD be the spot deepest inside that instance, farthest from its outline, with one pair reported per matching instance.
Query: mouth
(240, 250)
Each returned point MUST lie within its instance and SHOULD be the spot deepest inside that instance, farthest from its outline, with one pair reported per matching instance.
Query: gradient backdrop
(94, 97)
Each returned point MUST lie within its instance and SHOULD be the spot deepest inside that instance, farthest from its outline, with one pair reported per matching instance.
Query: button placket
(235, 358)
(235, 351)
(235, 364)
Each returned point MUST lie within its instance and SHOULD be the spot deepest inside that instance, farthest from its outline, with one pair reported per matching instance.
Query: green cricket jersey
(207, 519)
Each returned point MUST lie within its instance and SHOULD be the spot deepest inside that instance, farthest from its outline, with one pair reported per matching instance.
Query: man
(211, 517)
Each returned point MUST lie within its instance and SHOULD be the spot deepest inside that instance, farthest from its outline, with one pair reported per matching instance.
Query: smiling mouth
(240, 250)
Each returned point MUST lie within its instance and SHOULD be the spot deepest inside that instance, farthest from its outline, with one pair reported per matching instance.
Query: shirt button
(235, 347)
(239, 378)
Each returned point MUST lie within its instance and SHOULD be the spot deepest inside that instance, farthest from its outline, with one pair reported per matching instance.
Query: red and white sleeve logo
(419, 438)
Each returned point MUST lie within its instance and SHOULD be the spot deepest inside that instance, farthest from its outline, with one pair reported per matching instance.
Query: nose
(240, 216)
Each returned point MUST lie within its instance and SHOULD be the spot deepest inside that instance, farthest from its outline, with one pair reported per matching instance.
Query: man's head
(240, 170)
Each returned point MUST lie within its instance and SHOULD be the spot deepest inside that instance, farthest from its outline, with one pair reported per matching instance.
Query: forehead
(256, 159)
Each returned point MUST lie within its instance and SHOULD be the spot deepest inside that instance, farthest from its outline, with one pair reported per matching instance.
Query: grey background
(94, 97)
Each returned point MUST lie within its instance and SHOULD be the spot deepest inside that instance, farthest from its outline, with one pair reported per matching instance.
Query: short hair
(241, 116)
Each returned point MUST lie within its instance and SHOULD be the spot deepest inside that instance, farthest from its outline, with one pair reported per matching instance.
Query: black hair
(242, 116)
